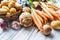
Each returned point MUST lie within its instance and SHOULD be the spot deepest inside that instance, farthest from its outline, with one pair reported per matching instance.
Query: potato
(13, 0)
(5, 7)
(11, 4)
(5, 0)
(3, 11)
(8, 14)
(55, 24)
(18, 6)
(4, 3)
(0, 5)
(12, 10)
(26, 9)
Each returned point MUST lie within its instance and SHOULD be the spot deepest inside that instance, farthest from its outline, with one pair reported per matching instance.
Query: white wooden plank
(25, 34)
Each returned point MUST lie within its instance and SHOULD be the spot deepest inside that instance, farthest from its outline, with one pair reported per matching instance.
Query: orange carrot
(48, 13)
(53, 6)
(40, 18)
(40, 14)
(45, 21)
(37, 21)
(53, 13)
(45, 14)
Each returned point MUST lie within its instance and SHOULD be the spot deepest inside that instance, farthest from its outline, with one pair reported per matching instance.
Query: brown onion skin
(0, 0)
(47, 29)
(37, 5)
(3, 24)
(44, 0)
(16, 25)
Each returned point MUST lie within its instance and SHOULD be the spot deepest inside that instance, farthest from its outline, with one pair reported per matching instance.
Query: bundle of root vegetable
(43, 19)
(10, 9)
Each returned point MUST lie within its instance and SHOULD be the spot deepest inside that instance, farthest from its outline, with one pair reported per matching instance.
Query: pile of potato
(10, 9)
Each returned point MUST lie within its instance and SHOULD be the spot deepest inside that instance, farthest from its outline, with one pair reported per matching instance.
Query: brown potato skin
(18, 6)
(3, 11)
(26, 9)
(12, 10)
(13, 0)
(11, 4)
(4, 3)
(9, 11)
(55, 24)
(5, 7)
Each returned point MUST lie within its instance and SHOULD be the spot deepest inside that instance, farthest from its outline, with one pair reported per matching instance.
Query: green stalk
(31, 4)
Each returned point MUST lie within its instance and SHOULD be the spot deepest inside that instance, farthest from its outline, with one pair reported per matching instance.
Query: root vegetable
(47, 29)
(3, 24)
(18, 6)
(8, 14)
(0, 0)
(3, 11)
(13, 0)
(11, 4)
(48, 13)
(26, 9)
(40, 18)
(4, 3)
(55, 24)
(37, 5)
(5, 7)
(37, 21)
(53, 13)
(44, 0)
(0, 5)
(52, 6)
(12, 10)
(40, 13)
(16, 25)
(25, 19)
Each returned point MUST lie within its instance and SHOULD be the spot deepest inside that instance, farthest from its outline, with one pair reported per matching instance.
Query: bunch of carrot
(50, 12)
(37, 20)
(43, 17)
(50, 5)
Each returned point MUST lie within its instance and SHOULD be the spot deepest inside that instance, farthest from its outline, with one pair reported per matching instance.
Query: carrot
(53, 13)
(46, 15)
(37, 21)
(40, 18)
(40, 14)
(48, 11)
(49, 14)
(53, 6)
(45, 21)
